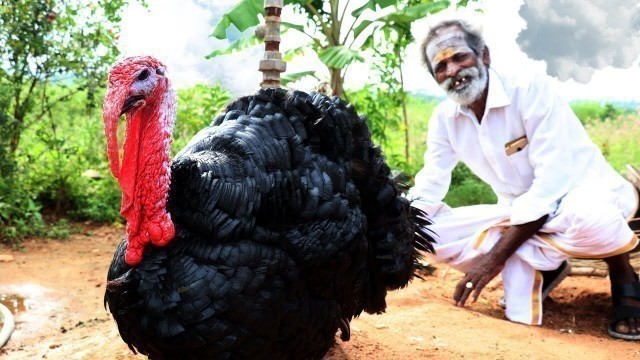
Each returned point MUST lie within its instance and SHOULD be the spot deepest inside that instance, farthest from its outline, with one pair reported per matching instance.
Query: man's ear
(486, 57)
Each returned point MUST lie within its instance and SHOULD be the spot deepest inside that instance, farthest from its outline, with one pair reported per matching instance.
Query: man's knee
(590, 216)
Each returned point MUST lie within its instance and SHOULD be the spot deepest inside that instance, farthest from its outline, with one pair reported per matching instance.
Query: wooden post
(271, 65)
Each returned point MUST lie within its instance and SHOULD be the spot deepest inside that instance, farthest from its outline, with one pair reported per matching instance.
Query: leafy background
(53, 61)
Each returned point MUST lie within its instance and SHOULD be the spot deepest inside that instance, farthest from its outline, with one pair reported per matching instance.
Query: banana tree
(337, 30)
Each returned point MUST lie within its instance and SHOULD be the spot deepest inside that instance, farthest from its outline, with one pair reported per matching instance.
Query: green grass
(618, 139)
(418, 112)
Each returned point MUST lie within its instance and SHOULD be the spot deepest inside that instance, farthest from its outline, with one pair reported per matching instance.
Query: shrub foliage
(61, 171)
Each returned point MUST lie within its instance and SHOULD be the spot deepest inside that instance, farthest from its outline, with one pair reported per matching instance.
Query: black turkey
(268, 232)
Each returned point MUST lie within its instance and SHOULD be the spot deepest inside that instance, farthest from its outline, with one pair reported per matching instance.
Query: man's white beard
(473, 90)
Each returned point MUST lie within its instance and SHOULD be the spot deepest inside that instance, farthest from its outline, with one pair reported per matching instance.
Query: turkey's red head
(139, 89)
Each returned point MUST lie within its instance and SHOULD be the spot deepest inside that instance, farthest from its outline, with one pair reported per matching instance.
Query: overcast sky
(591, 47)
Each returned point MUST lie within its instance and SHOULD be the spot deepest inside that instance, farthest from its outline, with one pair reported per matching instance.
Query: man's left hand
(485, 269)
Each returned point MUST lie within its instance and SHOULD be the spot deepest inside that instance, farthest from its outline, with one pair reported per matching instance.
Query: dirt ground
(55, 289)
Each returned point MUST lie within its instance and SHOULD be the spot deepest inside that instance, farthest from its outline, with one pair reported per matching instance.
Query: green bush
(197, 106)
(381, 111)
(590, 111)
(467, 189)
(586, 111)
(57, 149)
(19, 210)
(470, 191)
(384, 118)
(19, 213)
(95, 199)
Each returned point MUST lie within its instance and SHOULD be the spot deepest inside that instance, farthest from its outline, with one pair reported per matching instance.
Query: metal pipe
(271, 65)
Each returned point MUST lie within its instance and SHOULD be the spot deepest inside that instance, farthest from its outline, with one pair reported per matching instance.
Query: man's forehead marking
(443, 54)
(445, 44)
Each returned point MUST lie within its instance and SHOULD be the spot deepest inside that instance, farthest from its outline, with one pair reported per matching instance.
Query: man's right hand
(486, 268)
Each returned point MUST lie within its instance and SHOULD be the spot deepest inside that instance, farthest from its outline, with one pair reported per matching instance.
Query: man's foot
(625, 321)
(633, 175)
(550, 280)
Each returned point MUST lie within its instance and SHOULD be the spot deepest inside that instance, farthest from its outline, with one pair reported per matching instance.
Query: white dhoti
(589, 223)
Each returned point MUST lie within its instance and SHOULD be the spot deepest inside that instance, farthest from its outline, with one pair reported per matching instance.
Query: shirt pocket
(519, 162)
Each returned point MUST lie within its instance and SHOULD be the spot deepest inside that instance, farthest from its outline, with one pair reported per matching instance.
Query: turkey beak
(130, 102)
(114, 103)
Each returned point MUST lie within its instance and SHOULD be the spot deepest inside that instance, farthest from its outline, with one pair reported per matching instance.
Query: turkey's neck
(145, 177)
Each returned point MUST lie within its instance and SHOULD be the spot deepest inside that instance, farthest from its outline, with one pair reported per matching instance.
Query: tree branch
(353, 41)
(346, 35)
(325, 29)
(316, 41)
(403, 99)
(50, 105)
(344, 12)
(34, 82)
(43, 101)
(335, 23)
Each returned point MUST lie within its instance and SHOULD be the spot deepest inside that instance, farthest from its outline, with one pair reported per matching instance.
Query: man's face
(456, 68)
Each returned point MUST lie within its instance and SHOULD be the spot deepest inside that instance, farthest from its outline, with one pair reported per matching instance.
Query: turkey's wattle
(139, 89)
(287, 224)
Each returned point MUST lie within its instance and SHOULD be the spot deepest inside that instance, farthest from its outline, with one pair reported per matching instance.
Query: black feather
(288, 225)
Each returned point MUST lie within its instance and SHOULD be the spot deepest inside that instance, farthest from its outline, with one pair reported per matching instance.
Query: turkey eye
(143, 75)
(160, 72)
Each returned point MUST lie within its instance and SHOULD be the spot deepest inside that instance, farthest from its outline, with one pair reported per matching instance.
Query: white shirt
(558, 157)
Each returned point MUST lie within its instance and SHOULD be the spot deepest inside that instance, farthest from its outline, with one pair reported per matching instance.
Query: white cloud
(576, 37)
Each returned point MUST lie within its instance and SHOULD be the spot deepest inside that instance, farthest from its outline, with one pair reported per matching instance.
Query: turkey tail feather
(424, 238)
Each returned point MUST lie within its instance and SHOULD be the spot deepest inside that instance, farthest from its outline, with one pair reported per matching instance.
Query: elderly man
(557, 196)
